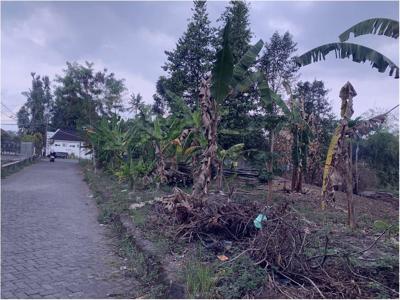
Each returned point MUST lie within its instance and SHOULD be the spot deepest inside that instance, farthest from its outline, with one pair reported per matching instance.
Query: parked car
(61, 155)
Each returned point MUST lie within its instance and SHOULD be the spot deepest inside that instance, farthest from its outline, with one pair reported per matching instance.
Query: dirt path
(52, 245)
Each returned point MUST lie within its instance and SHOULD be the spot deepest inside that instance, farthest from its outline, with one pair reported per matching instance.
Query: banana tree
(338, 164)
(358, 53)
(109, 142)
(191, 141)
(301, 134)
(226, 79)
(160, 135)
(232, 154)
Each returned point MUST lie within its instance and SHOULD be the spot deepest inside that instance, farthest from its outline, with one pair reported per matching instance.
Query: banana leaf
(358, 53)
(240, 71)
(223, 69)
(379, 26)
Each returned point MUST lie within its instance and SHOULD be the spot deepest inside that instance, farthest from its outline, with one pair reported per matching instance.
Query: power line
(8, 116)
(6, 107)
(4, 114)
(26, 124)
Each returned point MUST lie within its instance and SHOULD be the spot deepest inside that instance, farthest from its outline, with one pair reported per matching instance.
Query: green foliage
(109, 141)
(380, 225)
(358, 53)
(277, 63)
(237, 14)
(188, 62)
(381, 151)
(235, 109)
(135, 103)
(23, 119)
(321, 121)
(379, 26)
(241, 76)
(233, 153)
(83, 96)
(33, 115)
(199, 280)
(223, 69)
(264, 176)
(239, 279)
(38, 142)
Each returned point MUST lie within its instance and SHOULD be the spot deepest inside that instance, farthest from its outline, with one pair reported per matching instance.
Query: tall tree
(23, 119)
(237, 13)
(277, 61)
(318, 114)
(278, 67)
(191, 59)
(135, 103)
(83, 95)
(32, 115)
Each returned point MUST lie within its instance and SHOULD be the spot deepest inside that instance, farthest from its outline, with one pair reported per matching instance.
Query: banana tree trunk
(297, 179)
(338, 164)
(351, 217)
(270, 166)
(356, 171)
(220, 175)
(94, 160)
(160, 165)
(294, 177)
(209, 115)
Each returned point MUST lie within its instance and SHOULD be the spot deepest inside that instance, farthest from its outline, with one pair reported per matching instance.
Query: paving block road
(52, 245)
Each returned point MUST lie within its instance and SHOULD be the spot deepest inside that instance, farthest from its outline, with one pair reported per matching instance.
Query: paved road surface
(51, 243)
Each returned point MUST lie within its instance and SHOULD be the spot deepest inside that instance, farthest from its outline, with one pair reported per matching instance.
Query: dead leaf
(222, 257)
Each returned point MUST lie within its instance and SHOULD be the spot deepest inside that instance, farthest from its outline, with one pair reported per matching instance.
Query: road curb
(175, 289)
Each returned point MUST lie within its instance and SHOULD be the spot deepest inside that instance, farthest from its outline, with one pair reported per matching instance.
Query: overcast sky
(129, 39)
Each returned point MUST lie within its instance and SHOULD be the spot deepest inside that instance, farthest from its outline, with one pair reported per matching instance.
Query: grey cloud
(129, 38)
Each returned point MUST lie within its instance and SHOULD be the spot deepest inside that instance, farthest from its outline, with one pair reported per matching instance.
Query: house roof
(66, 135)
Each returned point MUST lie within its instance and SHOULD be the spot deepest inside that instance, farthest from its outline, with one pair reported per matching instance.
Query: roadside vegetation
(215, 189)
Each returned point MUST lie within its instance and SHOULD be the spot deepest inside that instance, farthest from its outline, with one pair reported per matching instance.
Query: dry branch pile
(298, 258)
(218, 216)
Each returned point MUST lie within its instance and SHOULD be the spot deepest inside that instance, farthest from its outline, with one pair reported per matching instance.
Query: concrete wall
(27, 149)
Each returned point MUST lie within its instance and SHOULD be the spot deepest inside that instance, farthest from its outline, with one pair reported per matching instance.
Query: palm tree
(358, 53)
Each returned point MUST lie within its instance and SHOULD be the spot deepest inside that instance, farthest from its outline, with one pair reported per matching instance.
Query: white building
(67, 141)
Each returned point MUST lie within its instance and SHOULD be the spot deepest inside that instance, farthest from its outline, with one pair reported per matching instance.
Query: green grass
(141, 267)
(239, 279)
(200, 281)
(138, 217)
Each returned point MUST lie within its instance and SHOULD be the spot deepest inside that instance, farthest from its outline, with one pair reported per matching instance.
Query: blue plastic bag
(258, 221)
